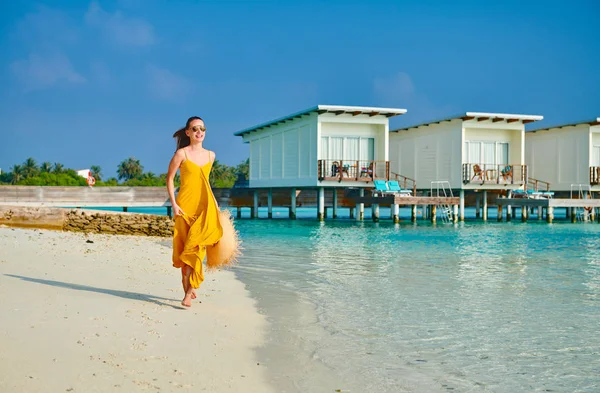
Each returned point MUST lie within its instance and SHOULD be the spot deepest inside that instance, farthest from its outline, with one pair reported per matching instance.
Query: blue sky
(94, 82)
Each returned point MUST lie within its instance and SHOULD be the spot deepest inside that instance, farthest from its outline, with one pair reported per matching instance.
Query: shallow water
(503, 307)
(472, 307)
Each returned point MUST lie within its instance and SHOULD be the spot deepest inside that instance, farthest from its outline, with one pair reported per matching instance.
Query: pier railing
(534, 184)
(594, 175)
(405, 182)
(353, 170)
(494, 174)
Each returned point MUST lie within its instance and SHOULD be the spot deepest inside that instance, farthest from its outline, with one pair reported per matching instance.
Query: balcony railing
(594, 175)
(494, 174)
(353, 170)
(534, 184)
(406, 182)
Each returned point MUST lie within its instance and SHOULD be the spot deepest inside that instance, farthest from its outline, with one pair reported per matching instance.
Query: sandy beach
(101, 313)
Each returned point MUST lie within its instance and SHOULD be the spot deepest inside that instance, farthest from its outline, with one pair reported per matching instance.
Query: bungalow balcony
(490, 174)
(353, 170)
(594, 175)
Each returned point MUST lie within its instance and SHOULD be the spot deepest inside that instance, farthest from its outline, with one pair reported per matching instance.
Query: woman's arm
(176, 161)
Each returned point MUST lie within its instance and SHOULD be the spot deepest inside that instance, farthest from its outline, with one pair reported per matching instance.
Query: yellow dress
(200, 226)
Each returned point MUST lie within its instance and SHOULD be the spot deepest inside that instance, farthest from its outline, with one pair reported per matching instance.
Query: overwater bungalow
(567, 156)
(471, 151)
(325, 146)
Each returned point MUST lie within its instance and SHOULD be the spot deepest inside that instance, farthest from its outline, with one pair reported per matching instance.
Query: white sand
(105, 317)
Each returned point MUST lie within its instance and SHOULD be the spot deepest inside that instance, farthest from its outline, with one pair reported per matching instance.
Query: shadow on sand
(123, 294)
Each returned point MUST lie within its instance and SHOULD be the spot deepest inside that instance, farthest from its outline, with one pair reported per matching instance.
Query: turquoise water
(472, 307)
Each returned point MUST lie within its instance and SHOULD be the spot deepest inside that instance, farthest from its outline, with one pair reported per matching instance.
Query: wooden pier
(325, 200)
(396, 201)
(576, 209)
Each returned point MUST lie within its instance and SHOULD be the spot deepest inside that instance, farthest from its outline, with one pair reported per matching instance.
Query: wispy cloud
(46, 27)
(165, 84)
(40, 71)
(121, 29)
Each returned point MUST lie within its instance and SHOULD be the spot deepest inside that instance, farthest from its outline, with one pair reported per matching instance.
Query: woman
(197, 218)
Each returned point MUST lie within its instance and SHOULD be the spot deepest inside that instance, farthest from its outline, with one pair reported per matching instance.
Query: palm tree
(130, 169)
(17, 174)
(58, 168)
(30, 168)
(96, 172)
(46, 167)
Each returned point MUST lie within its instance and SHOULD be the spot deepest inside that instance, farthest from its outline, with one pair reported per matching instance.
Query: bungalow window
(347, 148)
(595, 155)
(487, 153)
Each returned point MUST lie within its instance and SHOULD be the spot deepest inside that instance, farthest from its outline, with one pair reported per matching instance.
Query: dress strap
(186, 158)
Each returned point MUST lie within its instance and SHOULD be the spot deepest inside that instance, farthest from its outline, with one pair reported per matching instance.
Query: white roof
(591, 122)
(335, 109)
(480, 116)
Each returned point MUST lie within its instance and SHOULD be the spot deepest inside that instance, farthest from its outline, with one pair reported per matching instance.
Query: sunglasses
(198, 128)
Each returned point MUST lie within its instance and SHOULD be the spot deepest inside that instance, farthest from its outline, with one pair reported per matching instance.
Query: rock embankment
(86, 221)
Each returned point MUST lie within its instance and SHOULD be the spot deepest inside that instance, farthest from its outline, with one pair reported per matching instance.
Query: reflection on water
(505, 307)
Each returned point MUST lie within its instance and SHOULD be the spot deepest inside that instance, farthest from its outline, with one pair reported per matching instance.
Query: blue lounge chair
(380, 188)
(394, 187)
(519, 193)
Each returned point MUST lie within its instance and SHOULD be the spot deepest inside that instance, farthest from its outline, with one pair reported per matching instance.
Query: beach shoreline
(97, 313)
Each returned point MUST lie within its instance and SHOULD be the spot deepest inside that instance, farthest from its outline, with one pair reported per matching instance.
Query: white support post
(321, 204)
(375, 212)
(485, 206)
(395, 208)
(361, 206)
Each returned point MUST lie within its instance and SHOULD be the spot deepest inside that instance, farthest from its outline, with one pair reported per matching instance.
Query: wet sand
(100, 313)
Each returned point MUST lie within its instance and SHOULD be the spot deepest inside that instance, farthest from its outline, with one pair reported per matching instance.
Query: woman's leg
(189, 291)
(185, 283)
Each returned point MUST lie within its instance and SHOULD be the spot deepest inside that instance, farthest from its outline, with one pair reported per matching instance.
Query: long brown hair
(182, 139)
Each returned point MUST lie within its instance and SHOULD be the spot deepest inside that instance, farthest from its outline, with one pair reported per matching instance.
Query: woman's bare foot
(187, 300)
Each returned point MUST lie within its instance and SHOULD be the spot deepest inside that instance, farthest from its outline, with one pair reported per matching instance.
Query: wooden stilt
(254, 212)
(462, 205)
(270, 203)
(335, 204)
(293, 204)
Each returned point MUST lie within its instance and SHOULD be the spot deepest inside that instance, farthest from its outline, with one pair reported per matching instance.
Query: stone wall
(86, 221)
